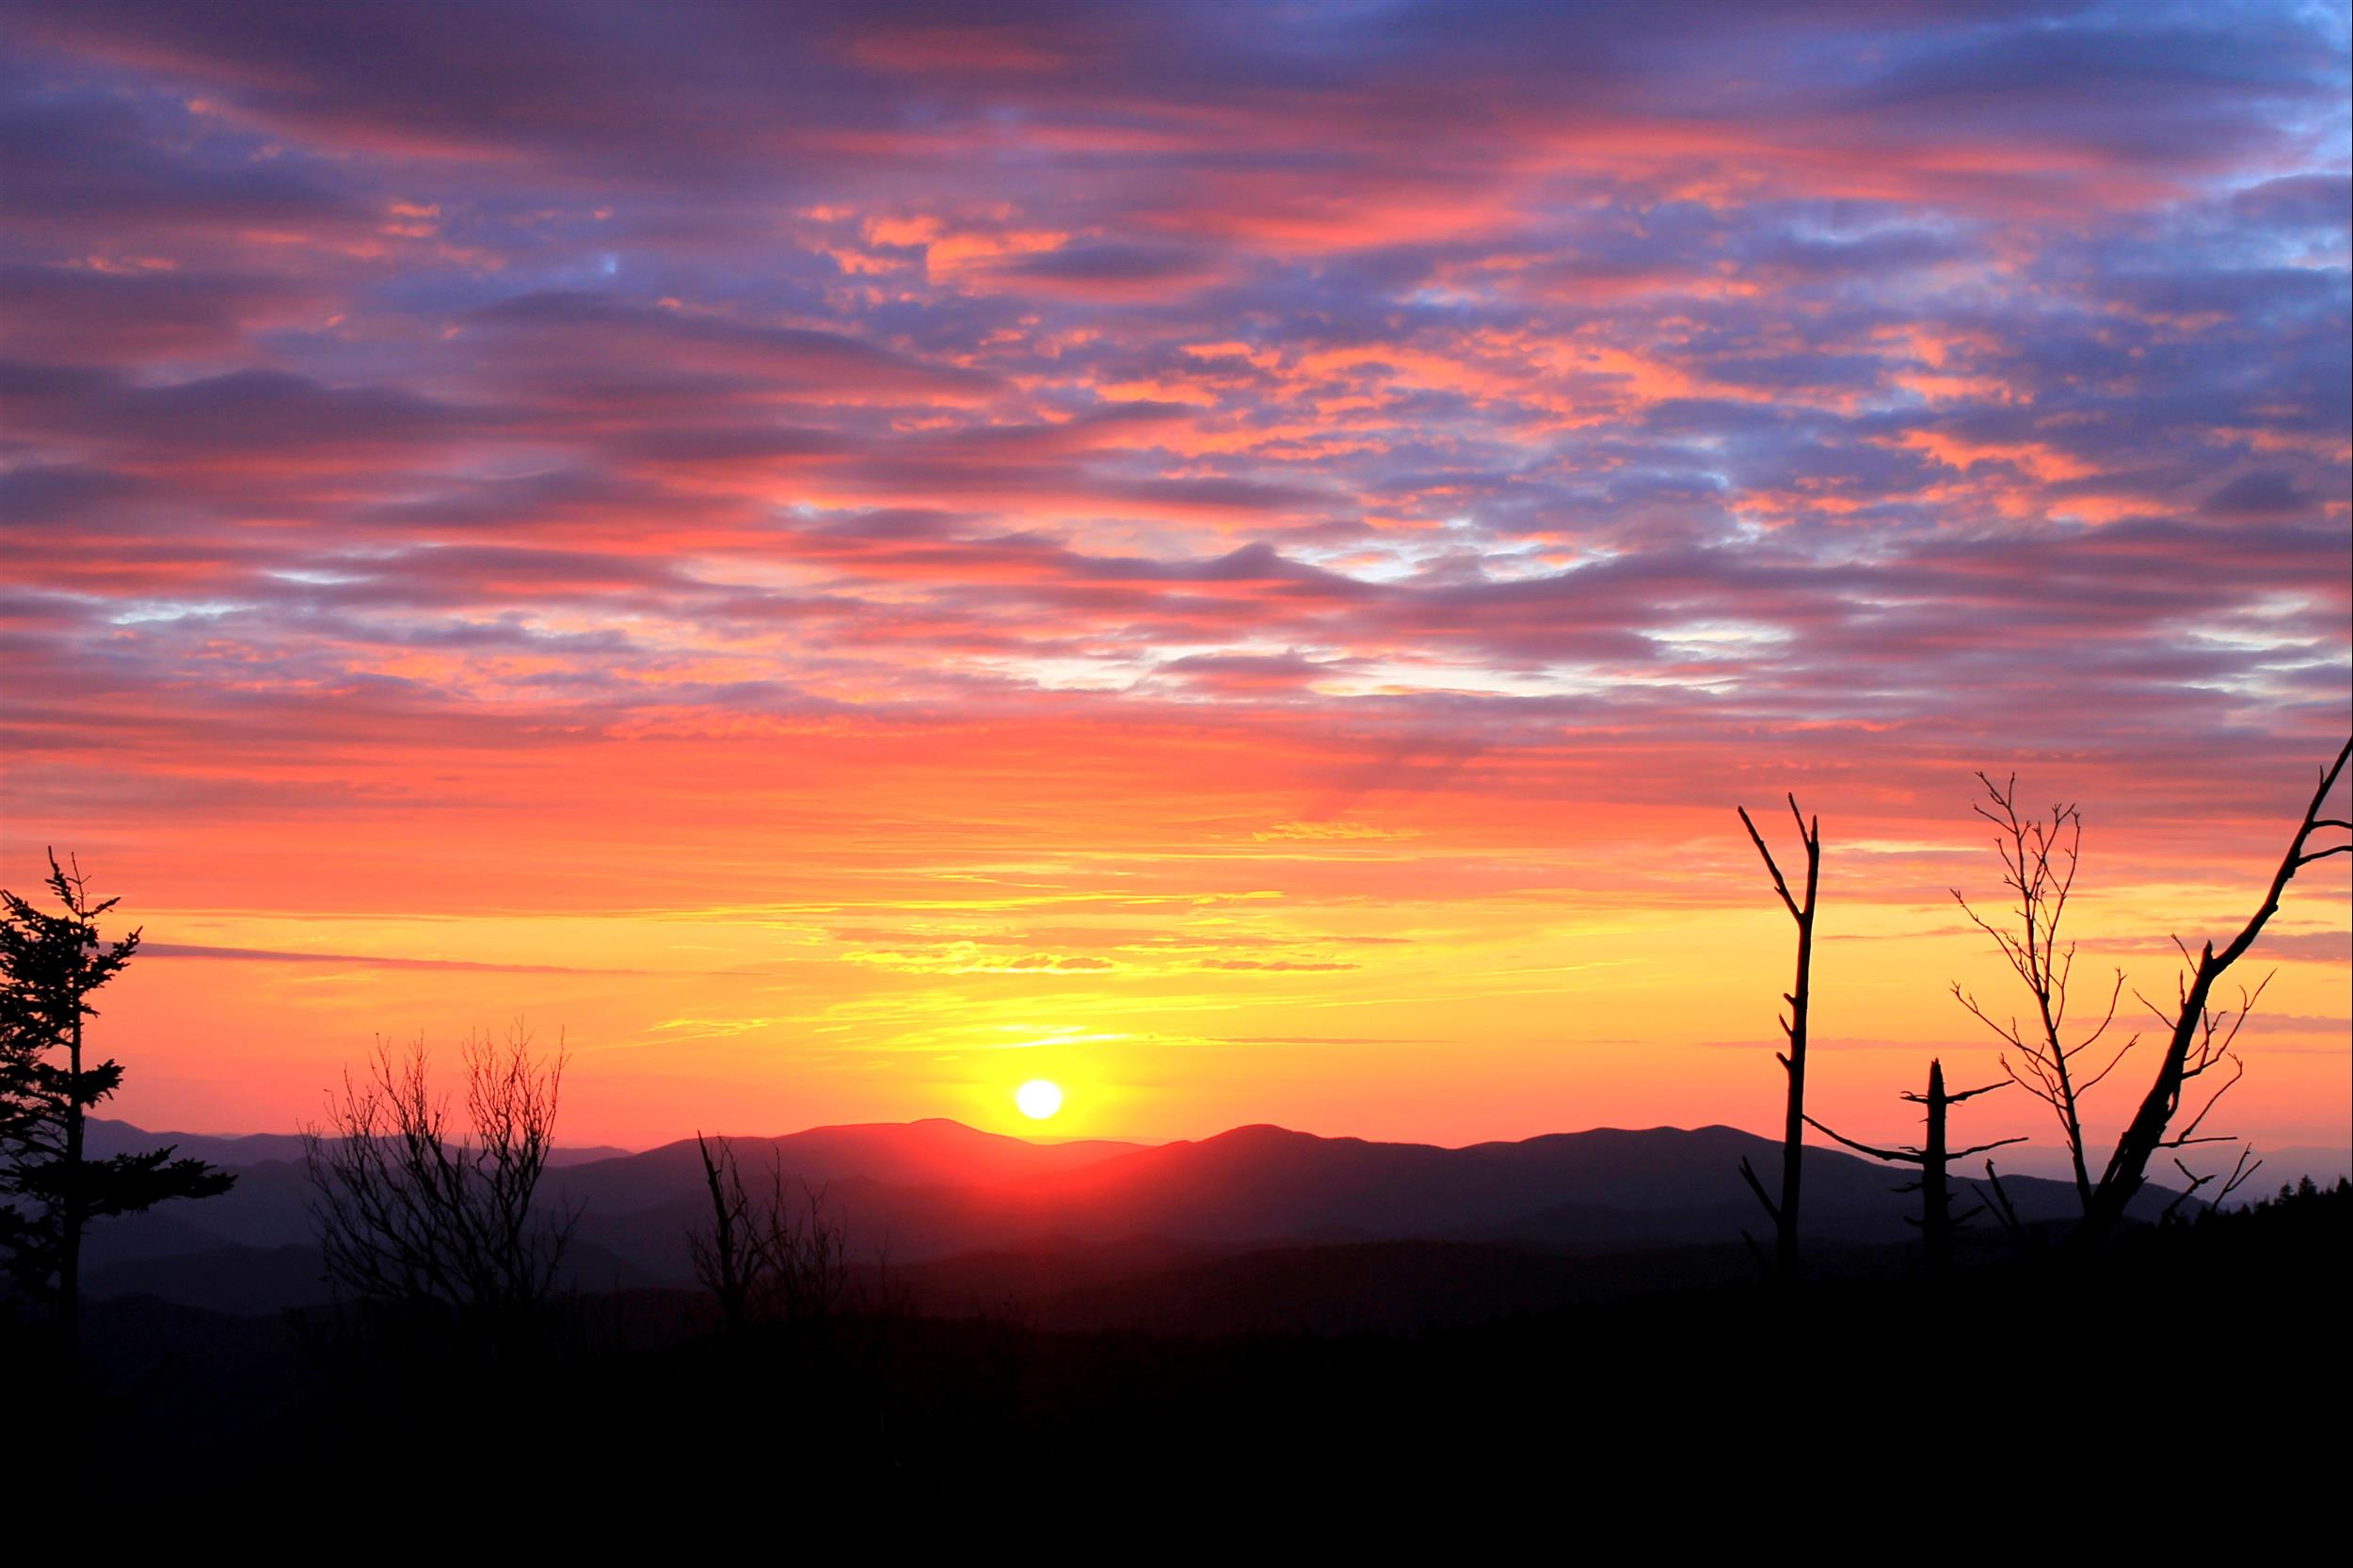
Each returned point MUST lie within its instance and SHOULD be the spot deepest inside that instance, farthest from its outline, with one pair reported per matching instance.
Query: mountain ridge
(926, 1192)
(105, 1136)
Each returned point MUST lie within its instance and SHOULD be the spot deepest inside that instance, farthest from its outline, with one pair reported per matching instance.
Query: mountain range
(971, 1218)
(103, 1139)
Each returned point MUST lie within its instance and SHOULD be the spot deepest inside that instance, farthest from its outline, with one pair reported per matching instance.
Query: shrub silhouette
(433, 1227)
(781, 1256)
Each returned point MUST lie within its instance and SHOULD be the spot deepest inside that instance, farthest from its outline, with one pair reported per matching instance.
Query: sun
(1038, 1099)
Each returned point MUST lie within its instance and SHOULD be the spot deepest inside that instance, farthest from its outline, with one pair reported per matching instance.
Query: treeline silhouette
(448, 1260)
(1626, 1410)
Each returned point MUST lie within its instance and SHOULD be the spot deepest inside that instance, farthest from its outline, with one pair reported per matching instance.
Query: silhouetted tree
(2200, 1036)
(50, 963)
(1937, 1220)
(2241, 1173)
(725, 1260)
(1799, 997)
(1993, 1197)
(2039, 862)
(419, 1219)
(780, 1256)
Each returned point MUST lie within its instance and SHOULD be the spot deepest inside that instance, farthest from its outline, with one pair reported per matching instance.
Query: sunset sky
(1237, 558)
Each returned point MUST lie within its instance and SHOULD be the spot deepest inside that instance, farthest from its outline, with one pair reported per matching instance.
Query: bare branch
(2197, 1040)
(1748, 1173)
(412, 1216)
(1894, 1155)
(1793, 1026)
(1780, 885)
(2240, 1173)
(2003, 1208)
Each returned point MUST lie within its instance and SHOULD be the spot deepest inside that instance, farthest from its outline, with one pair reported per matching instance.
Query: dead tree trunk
(1936, 1214)
(2201, 1038)
(1785, 1212)
(1934, 1157)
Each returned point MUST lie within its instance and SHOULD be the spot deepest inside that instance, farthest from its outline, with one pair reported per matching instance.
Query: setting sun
(1503, 644)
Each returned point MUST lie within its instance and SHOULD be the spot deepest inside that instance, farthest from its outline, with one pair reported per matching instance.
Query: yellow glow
(1038, 1099)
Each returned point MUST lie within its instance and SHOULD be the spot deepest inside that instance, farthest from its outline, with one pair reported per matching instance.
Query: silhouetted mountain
(244, 1280)
(926, 1192)
(105, 1139)
(1161, 1286)
(272, 1279)
(931, 1153)
(2324, 1165)
(267, 1208)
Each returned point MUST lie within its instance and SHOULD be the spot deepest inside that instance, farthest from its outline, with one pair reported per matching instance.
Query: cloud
(862, 435)
(353, 960)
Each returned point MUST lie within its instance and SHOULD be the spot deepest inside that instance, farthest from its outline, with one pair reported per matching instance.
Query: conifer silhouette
(50, 963)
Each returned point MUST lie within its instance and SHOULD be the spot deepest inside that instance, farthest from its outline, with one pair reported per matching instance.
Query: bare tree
(783, 1256)
(807, 1250)
(726, 1263)
(2039, 862)
(2241, 1173)
(2200, 1035)
(412, 1215)
(1800, 997)
(1933, 1156)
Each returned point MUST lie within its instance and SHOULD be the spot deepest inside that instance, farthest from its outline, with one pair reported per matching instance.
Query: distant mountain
(267, 1208)
(1266, 1185)
(105, 1139)
(242, 1280)
(931, 1153)
(2324, 1165)
(250, 1280)
(1161, 1286)
(923, 1193)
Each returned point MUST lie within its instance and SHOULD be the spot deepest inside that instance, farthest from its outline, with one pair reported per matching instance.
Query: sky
(838, 558)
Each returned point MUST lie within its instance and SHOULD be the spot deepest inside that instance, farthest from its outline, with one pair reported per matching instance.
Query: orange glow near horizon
(1384, 974)
(844, 566)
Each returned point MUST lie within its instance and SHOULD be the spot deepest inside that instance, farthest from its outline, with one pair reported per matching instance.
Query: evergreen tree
(50, 963)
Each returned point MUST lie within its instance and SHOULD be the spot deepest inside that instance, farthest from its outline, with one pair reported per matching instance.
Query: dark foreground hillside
(2190, 1347)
